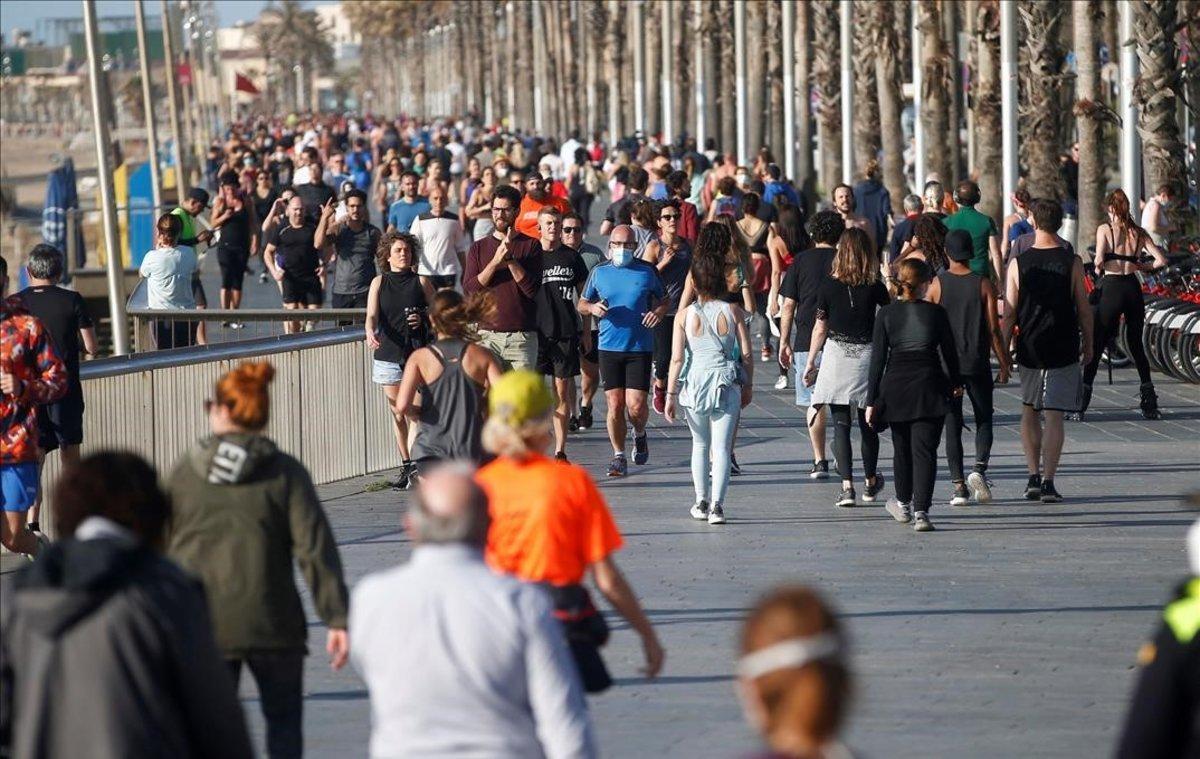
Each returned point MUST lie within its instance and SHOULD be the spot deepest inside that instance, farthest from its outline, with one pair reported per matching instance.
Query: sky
(25, 15)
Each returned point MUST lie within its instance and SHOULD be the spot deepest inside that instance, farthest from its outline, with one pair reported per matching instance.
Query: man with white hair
(459, 661)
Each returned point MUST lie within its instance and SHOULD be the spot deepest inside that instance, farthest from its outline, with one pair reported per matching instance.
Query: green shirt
(187, 232)
(980, 227)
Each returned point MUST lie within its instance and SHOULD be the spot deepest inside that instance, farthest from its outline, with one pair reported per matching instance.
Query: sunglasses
(570, 230)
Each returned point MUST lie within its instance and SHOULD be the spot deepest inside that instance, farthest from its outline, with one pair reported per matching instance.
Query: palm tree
(954, 104)
(774, 42)
(1191, 36)
(756, 71)
(985, 92)
(1042, 76)
(523, 39)
(804, 178)
(1090, 113)
(826, 80)
(866, 96)
(613, 63)
(681, 67)
(935, 94)
(888, 82)
(1159, 90)
(295, 37)
(652, 71)
(726, 87)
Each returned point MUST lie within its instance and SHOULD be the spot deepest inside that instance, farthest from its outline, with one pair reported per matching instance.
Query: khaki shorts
(1058, 389)
(516, 350)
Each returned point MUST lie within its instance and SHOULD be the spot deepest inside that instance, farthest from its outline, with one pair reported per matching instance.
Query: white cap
(1193, 544)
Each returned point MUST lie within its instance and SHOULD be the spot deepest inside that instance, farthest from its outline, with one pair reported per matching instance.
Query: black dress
(907, 380)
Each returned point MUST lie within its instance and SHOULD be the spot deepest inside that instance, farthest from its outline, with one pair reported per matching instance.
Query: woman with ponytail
(451, 375)
(908, 390)
(244, 511)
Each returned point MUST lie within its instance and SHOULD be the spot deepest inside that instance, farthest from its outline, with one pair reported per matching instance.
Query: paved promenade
(1011, 631)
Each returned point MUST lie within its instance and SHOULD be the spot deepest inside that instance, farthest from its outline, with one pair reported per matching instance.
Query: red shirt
(527, 223)
(27, 352)
(688, 226)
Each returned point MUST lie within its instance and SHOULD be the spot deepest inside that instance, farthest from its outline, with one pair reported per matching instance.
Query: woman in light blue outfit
(716, 384)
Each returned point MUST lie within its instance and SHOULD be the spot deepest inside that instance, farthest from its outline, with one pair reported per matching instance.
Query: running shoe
(699, 510)
(782, 382)
(585, 417)
(262, 277)
(734, 467)
(1049, 493)
(870, 491)
(921, 522)
(847, 498)
(561, 456)
(660, 399)
(402, 479)
(766, 353)
(619, 467)
(980, 485)
(901, 512)
(641, 449)
(716, 515)
(34, 527)
(961, 497)
(573, 424)
(819, 471)
(236, 325)
(1033, 488)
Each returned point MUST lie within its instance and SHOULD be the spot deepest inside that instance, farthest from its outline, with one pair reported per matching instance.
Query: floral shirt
(27, 352)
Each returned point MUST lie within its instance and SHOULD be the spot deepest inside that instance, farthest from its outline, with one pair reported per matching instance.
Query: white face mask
(620, 256)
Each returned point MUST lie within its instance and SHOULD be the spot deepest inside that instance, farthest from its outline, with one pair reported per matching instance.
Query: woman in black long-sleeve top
(909, 390)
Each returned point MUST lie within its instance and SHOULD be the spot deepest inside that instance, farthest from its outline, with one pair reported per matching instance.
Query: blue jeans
(712, 434)
(803, 394)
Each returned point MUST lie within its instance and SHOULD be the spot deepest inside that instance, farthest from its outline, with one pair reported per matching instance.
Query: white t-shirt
(1153, 221)
(442, 241)
(168, 274)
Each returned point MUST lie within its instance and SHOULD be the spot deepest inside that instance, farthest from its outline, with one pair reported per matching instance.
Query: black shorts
(593, 356)
(302, 290)
(441, 281)
(198, 292)
(625, 370)
(349, 300)
(233, 267)
(61, 423)
(558, 357)
(664, 335)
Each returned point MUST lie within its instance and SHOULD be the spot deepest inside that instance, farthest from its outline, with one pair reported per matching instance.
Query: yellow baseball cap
(518, 397)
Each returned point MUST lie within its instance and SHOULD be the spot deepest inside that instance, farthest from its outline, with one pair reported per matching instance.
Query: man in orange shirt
(550, 525)
(536, 198)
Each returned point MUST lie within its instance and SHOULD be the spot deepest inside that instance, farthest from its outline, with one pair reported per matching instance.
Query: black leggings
(1120, 295)
(664, 335)
(841, 442)
(979, 389)
(760, 308)
(914, 460)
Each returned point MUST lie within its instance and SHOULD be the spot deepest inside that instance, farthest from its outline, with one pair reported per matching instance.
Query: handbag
(586, 631)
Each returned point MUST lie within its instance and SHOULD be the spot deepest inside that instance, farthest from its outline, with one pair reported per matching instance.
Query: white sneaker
(716, 515)
(901, 512)
(699, 511)
(980, 487)
(782, 382)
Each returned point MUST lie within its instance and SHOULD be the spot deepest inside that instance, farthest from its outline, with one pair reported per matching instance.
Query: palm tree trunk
(935, 105)
(775, 79)
(523, 61)
(756, 70)
(1191, 35)
(725, 71)
(1090, 112)
(986, 92)
(805, 178)
(612, 71)
(1158, 92)
(888, 83)
(652, 55)
(954, 104)
(1043, 77)
(866, 96)
(826, 80)
(681, 68)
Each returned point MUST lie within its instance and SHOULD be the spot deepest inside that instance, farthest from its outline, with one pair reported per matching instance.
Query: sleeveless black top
(964, 306)
(235, 232)
(400, 294)
(1049, 328)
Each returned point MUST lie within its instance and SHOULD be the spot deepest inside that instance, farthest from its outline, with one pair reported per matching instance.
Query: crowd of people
(493, 324)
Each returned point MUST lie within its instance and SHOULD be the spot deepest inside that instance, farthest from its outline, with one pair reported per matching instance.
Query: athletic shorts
(198, 292)
(441, 281)
(18, 486)
(558, 357)
(233, 267)
(592, 356)
(349, 300)
(61, 423)
(1058, 389)
(386, 372)
(302, 290)
(625, 370)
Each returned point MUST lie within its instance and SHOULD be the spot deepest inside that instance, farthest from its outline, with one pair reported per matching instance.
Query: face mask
(743, 179)
(501, 172)
(620, 256)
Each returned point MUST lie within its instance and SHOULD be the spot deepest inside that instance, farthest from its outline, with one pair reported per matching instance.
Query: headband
(793, 652)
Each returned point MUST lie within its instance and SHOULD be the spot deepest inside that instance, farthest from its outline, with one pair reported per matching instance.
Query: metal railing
(325, 410)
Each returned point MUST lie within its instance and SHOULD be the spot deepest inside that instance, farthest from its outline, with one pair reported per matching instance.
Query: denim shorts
(803, 394)
(386, 372)
(19, 485)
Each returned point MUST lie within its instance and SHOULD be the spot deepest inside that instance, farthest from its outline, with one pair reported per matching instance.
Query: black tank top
(964, 306)
(757, 243)
(235, 232)
(400, 294)
(1049, 328)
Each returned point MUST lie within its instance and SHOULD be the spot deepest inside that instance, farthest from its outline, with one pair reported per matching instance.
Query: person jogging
(300, 251)
(970, 302)
(671, 256)
(573, 230)
(355, 241)
(719, 380)
(627, 296)
(237, 222)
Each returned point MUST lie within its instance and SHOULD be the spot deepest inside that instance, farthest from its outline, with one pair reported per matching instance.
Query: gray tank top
(451, 410)
(964, 306)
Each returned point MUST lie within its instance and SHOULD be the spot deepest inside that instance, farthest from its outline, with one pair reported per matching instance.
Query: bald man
(460, 661)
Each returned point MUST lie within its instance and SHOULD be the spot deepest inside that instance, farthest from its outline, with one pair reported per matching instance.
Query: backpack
(591, 179)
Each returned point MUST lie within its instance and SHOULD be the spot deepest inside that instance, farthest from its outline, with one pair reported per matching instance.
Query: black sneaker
(561, 456)
(873, 489)
(961, 495)
(734, 467)
(1049, 494)
(573, 424)
(641, 449)
(402, 480)
(847, 498)
(820, 470)
(585, 417)
(618, 467)
(34, 527)
(1033, 488)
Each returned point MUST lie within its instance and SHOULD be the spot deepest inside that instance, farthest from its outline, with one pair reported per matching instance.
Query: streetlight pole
(148, 104)
(1131, 173)
(918, 80)
(668, 126)
(739, 47)
(639, 68)
(788, 20)
(104, 171)
(698, 74)
(177, 150)
(847, 71)
(1010, 172)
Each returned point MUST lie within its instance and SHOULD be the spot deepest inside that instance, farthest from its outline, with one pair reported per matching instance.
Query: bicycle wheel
(1169, 340)
(1182, 330)
(1189, 350)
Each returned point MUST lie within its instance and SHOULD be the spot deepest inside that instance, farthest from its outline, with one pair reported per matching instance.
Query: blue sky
(24, 15)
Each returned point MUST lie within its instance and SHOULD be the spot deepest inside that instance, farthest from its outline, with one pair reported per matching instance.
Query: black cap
(198, 194)
(959, 246)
